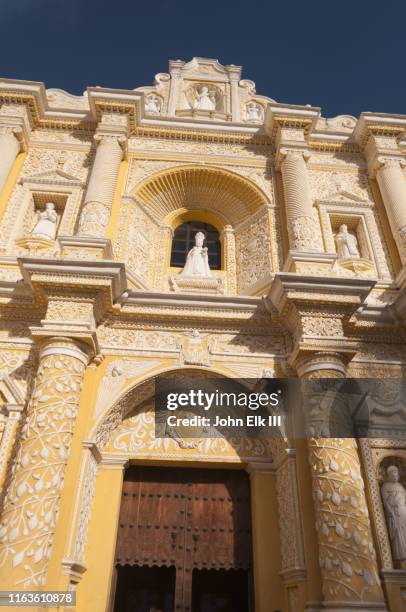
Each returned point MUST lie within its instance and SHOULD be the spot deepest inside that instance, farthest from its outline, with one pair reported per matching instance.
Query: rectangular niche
(356, 227)
(38, 201)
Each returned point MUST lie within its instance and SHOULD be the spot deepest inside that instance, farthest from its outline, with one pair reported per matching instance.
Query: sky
(346, 57)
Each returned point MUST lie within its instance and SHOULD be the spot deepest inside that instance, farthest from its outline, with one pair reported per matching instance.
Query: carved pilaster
(228, 244)
(350, 578)
(32, 501)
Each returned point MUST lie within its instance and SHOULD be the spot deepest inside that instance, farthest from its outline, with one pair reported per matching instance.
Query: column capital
(62, 345)
(288, 152)
(16, 120)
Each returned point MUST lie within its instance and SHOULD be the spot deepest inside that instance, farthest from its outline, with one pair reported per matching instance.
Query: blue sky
(346, 57)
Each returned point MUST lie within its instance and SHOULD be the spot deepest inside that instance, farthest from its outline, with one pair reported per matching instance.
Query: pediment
(202, 67)
(338, 197)
(53, 177)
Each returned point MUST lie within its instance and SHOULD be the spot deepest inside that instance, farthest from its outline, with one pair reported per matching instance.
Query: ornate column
(99, 196)
(392, 184)
(32, 501)
(303, 227)
(350, 578)
(379, 137)
(14, 133)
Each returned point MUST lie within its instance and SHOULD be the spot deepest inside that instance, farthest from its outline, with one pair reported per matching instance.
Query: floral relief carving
(32, 501)
(253, 250)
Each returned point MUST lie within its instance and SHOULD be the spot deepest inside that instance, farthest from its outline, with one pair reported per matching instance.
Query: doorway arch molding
(102, 469)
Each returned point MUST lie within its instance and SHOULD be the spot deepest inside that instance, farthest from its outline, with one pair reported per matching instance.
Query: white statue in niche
(253, 112)
(153, 104)
(46, 223)
(205, 99)
(197, 261)
(347, 246)
(394, 501)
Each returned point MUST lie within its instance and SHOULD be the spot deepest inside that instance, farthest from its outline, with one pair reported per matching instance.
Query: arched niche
(234, 204)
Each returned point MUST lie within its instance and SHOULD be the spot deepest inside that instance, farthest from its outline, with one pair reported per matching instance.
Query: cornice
(383, 124)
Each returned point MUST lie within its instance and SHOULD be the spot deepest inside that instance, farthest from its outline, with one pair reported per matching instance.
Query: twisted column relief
(303, 226)
(392, 184)
(346, 550)
(102, 184)
(31, 505)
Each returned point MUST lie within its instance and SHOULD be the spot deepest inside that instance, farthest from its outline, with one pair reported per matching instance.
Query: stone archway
(115, 442)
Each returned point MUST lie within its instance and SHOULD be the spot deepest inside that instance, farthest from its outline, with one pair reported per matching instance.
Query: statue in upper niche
(197, 261)
(153, 104)
(46, 223)
(253, 112)
(205, 99)
(347, 246)
(394, 501)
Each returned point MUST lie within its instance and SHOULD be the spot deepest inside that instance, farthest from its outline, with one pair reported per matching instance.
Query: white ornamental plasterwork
(75, 163)
(257, 151)
(58, 98)
(328, 158)
(136, 240)
(253, 250)
(322, 326)
(136, 437)
(140, 169)
(32, 502)
(85, 508)
(338, 184)
(83, 139)
(291, 546)
(20, 367)
(341, 123)
(138, 338)
(304, 233)
(116, 376)
(346, 551)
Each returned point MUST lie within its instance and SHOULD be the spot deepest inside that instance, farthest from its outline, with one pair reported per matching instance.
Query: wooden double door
(184, 541)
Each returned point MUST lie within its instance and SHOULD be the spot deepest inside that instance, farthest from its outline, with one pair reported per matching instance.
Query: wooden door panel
(189, 519)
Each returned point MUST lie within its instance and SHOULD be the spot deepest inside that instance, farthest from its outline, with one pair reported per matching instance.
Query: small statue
(253, 112)
(153, 104)
(394, 501)
(197, 261)
(347, 246)
(46, 223)
(205, 100)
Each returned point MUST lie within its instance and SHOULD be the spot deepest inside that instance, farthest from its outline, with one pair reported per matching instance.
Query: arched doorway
(184, 541)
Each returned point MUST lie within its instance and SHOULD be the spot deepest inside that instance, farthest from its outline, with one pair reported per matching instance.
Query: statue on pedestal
(46, 223)
(253, 112)
(394, 501)
(347, 246)
(197, 261)
(205, 100)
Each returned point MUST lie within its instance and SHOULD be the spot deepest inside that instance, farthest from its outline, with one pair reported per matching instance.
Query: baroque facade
(311, 282)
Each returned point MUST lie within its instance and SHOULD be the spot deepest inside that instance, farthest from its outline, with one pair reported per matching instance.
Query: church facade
(195, 227)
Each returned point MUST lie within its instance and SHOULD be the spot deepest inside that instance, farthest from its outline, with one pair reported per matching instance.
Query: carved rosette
(346, 549)
(32, 501)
